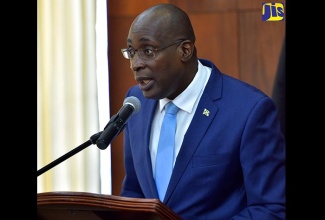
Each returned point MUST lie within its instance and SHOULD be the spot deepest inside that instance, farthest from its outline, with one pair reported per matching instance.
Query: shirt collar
(186, 100)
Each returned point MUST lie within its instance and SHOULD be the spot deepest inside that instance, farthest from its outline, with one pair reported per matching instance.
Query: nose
(136, 63)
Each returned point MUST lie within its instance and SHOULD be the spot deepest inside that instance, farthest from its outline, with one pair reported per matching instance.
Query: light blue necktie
(165, 152)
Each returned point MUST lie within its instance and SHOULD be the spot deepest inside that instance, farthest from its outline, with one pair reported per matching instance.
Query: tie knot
(171, 108)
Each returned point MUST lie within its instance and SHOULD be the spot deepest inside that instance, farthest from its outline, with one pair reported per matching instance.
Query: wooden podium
(91, 206)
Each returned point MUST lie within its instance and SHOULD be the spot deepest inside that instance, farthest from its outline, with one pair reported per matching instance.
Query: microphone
(117, 123)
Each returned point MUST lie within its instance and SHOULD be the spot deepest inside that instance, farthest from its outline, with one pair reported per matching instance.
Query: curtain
(67, 97)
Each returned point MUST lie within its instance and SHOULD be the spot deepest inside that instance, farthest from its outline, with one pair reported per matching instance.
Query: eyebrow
(142, 39)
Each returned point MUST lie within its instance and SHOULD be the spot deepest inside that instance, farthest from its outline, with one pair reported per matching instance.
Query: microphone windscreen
(134, 101)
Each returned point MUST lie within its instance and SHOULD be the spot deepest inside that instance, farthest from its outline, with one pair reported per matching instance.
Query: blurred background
(82, 76)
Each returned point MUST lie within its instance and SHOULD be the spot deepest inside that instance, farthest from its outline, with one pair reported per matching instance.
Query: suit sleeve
(130, 185)
(262, 156)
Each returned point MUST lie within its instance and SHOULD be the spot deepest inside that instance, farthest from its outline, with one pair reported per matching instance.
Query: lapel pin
(206, 112)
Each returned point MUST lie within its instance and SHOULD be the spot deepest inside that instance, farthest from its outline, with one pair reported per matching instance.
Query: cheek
(163, 73)
(168, 64)
(166, 70)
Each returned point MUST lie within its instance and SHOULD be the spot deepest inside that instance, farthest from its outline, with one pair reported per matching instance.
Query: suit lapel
(149, 114)
(203, 117)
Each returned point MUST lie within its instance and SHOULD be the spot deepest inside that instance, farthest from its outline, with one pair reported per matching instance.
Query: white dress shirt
(187, 103)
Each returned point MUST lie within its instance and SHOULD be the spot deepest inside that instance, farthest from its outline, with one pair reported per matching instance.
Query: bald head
(164, 22)
(162, 52)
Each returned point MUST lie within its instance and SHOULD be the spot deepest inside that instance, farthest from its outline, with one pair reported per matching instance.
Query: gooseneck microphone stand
(91, 141)
(112, 127)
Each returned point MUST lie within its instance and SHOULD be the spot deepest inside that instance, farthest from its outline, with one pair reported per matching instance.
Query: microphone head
(134, 101)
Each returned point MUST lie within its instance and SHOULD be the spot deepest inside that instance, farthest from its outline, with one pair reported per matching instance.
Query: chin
(150, 95)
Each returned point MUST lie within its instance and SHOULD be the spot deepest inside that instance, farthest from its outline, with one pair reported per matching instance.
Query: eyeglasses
(145, 53)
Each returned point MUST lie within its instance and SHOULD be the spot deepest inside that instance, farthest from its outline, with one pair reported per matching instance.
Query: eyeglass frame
(126, 51)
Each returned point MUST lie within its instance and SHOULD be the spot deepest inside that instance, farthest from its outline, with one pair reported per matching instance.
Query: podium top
(92, 206)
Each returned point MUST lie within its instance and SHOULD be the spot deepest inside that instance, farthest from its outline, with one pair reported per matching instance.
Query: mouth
(144, 83)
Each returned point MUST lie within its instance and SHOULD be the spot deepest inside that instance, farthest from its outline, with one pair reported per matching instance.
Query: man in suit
(229, 157)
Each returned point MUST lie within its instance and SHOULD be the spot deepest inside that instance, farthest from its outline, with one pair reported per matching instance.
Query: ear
(187, 48)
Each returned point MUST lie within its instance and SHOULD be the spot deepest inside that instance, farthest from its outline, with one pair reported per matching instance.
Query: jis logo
(272, 11)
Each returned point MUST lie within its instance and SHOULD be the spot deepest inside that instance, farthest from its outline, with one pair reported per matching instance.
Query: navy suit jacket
(231, 164)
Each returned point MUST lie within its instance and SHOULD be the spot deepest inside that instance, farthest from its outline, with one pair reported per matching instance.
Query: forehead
(140, 34)
(147, 29)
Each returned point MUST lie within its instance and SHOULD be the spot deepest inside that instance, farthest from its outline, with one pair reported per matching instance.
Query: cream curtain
(67, 106)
